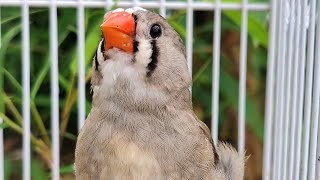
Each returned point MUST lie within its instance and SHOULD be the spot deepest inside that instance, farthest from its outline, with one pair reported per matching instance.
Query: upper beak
(118, 31)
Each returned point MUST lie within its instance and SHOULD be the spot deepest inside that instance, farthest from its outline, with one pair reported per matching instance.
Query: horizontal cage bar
(169, 5)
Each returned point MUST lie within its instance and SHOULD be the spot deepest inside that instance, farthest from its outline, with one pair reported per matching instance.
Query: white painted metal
(268, 124)
(243, 77)
(280, 90)
(308, 93)
(54, 91)
(294, 118)
(292, 105)
(216, 72)
(189, 44)
(301, 85)
(288, 89)
(163, 10)
(313, 157)
(317, 78)
(26, 90)
(145, 4)
(81, 65)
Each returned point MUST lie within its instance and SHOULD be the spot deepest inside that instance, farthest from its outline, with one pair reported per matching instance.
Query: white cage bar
(291, 140)
(308, 91)
(26, 90)
(301, 82)
(81, 62)
(216, 71)
(54, 90)
(243, 77)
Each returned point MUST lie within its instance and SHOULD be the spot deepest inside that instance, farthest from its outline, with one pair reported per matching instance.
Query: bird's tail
(230, 165)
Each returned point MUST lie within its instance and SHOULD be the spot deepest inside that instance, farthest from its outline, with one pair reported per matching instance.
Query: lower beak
(118, 31)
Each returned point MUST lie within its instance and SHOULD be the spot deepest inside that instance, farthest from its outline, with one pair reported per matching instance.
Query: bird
(142, 124)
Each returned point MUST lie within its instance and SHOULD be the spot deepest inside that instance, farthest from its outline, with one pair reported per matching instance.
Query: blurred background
(11, 81)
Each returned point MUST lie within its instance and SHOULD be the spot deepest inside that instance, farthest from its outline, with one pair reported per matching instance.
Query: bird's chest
(118, 152)
(123, 158)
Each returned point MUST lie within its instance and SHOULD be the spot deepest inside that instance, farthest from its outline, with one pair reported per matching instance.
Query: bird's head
(140, 55)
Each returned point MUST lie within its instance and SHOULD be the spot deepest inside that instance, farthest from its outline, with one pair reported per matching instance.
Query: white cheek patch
(117, 66)
(100, 56)
(144, 52)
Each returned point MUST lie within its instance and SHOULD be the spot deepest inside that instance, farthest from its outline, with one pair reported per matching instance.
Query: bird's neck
(145, 99)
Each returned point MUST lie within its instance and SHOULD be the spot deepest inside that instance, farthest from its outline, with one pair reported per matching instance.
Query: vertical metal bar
(189, 35)
(26, 89)
(315, 106)
(81, 65)
(135, 2)
(318, 153)
(163, 8)
(280, 90)
(277, 96)
(216, 72)
(308, 92)
(294, 118)
(243, 77)
(317, 78)
(109, 3)
(301, 85)
(283, 50)
(54, 90)
(268, 122)
(290, 18)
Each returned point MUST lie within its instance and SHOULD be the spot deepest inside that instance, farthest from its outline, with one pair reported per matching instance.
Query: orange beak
(118, 30)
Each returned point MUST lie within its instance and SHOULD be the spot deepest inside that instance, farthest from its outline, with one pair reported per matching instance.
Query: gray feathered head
(141, 55)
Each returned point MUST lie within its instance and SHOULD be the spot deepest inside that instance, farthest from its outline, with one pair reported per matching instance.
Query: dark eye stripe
(96, 61)
(96, 55)
(135, 42)
(135, 20)
(135, 46)
(154, 58)
(102, 46)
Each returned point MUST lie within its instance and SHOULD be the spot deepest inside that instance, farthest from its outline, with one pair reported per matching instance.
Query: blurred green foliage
(11, 84)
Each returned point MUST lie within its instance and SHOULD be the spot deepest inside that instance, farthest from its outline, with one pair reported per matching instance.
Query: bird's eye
(155, 31)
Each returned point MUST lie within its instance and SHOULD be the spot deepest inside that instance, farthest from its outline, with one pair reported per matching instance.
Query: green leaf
(91, 44)
(40, 77)
(229, 90)
(63, 82)
(45, 69)
(67, 169)
(255, 29)
(7, 168)
(37, 170)
(12, 80)
(70, 136)
(7, 37)
(3, 125)
(178, 27)
(18, 15)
